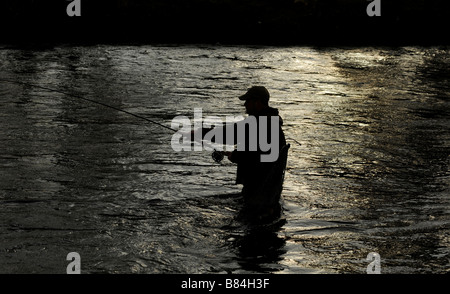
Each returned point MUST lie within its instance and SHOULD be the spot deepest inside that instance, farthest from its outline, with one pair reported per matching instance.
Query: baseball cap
(258, 92)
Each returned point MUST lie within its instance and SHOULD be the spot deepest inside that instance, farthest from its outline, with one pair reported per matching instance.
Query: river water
(371, 173)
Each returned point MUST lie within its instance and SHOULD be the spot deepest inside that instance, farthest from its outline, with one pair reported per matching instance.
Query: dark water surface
(371, 174)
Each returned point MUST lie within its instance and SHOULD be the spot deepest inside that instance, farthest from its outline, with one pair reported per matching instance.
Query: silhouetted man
(259, 170)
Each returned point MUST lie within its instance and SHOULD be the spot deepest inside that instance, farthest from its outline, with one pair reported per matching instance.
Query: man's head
(256, 99)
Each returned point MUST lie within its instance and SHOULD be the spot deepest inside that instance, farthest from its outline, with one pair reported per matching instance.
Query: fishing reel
(217, 156)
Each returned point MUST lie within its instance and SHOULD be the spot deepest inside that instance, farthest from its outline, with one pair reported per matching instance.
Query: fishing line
(89, 100)
(217, 155)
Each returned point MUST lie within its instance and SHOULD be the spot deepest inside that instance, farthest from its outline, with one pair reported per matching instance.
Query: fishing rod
(216, 155)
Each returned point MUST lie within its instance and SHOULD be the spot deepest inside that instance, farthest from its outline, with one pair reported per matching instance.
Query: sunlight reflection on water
(371, 174)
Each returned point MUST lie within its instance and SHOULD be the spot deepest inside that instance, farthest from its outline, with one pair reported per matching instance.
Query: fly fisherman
(261, 152)
(260, 174)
